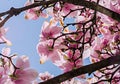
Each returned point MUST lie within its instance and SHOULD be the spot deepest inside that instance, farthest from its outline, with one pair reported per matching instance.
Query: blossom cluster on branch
(72, 34)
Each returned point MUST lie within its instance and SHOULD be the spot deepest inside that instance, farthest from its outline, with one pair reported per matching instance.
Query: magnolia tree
(93, 33)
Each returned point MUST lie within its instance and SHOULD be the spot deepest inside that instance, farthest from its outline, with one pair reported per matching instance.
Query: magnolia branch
(88, 4)
(95, 6)
(83, 70)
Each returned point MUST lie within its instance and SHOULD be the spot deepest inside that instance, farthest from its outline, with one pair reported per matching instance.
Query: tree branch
(95, 6)
(88, 4)
(83, 70)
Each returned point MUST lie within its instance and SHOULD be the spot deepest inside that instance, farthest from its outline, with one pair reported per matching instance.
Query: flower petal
(23, 62)
(28, 74)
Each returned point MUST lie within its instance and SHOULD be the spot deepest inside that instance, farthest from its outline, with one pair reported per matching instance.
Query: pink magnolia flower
(34, 13)
(104, 40)
(46, 49)
(6, 51)
(5, 67)
(115, 5)
(5, 62)
(95, 47)
(69, 62)
(73, 55)
(70, 44)
(69, 65)
(75, 81)
(87, 52)
(1, 71)
(6, 80)
(67, 8)
(2, 31)
(117, 38)
(45, 76)
(23, 75)
(105, 3)
(53, 11)
(2, 36)
(116, 78)
(80, 19)
(50, 30)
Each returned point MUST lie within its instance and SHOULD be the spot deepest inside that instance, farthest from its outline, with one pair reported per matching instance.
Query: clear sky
(24, 35)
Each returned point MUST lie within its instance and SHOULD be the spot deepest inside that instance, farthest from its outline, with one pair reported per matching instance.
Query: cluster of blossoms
(67, 46)
(18, 73)
(90, 34)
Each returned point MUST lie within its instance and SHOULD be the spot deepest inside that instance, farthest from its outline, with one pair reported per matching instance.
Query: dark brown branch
(91, 5)
(16, 11)
(5, 20)
(83, 70)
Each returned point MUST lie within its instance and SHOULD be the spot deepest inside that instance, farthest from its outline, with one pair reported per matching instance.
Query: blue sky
(24, 35)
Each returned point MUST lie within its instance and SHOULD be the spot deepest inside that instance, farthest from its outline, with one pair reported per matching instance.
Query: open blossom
(6, 51)
(2, 36)
(80, 19)
(69, 65)
(46, 49)
(45, 76)
(53, 11)
(105, 3)
(116, 78)
(34, 13)
(5, 62)
(115, 5)
(2, 31)
(50, 30)
(3, 76)
(24, 74)
(5, 67)
(4, 73)
(99, 41)
(69, 62)
(6, 80)
(67, 8)
(75, 81)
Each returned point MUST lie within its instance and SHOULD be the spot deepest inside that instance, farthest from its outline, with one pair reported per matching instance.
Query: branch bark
(91, 5)
(83, 70)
